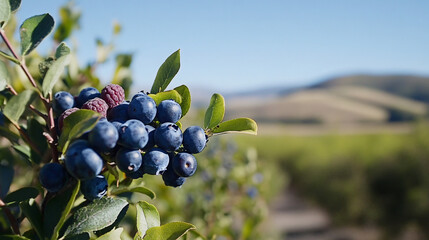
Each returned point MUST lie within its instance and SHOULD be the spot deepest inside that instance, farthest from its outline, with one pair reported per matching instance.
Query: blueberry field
(361, 179)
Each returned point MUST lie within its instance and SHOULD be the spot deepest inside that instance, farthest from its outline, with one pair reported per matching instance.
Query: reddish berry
(96, 105)
(63, 116)
(113, 95)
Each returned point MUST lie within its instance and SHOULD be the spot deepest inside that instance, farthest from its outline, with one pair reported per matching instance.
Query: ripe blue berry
(118, 113)
(62, 101)
(53, 176)
(151, 137)
(184, 164)
(169, 111)
(128, 160)
(155, 161)
(137, 174)
(81, 161)
(168, 136)
(103, 136)
(171, 179)
(94, 188)
(133, 134)
(139, 94)
(142, 108)
(194, 139)
(87, 94)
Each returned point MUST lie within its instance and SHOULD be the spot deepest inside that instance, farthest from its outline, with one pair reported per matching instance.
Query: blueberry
(169, 111)
(139, 94)
(81, 161)
(133, 134)
(142, 108)
(252, 192)
(128, 160)
(155, 161)
(194, 139)
(62, 101)
(53, 177)
(137, 174)
(151, 135)
(94, 188)
(184, 164)
(117, 125)
(118, 113)
(87, 94)
(168, 136)
(171, 179)
(103, 136)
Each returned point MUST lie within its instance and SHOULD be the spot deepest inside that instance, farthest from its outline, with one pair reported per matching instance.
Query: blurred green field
(364, 179)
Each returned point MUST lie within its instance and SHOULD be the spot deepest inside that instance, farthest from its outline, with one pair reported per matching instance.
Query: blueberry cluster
(138, 136)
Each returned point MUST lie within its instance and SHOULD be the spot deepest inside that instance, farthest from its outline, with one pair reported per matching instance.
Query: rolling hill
(355, 99)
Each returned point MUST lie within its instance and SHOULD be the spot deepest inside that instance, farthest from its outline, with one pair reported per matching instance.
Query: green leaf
(186, 98)
(242, 125)
(4, 75)
(6, 174)
(215, 112)
(35, 132)
(166, 72)
(147, 217)
(14, 5)
(21, 194)
(24, 151)
(4, 12)
(62, 50)
(56, 69)
(169, 231)
(112, 235)
(96, 216)
(11, 136)
(17, 105)
(57, 209)
(34, 216)
(139, 189)
(161, 96)
(34, 30)
(75, 125)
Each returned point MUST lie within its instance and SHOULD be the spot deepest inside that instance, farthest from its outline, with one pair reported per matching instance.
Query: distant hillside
(351, 99)
(408, 86)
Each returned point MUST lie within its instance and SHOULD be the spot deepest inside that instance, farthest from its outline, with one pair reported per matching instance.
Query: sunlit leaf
(186, 98)
(215, 112)
(147, 217)
(241, 125)
(34, 30)
(166, 72)
(17, 105)
(169, 231)
(95, 216)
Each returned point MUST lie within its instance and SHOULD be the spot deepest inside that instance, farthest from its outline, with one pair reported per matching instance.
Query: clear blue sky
(246, 45)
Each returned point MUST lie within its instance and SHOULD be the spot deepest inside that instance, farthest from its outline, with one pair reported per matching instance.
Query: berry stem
(8, 57)
(22, 62)
(46, 101)
(12, 219)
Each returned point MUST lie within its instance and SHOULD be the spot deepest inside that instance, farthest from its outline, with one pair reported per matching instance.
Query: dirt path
(296, 219)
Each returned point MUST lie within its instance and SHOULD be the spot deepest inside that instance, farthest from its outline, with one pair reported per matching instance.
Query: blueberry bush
(88, 150)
